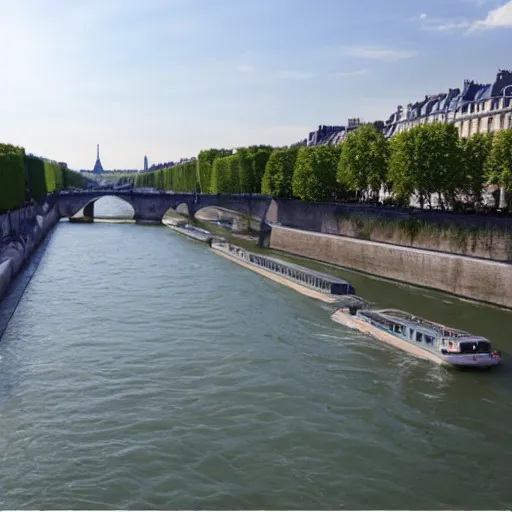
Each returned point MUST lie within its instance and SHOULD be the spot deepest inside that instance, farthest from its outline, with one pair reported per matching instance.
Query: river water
(142, 371)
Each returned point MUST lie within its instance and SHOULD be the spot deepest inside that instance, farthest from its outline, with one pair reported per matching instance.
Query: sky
(167, 78)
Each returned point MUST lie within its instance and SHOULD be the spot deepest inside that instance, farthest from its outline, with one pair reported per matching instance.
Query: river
(142, 371)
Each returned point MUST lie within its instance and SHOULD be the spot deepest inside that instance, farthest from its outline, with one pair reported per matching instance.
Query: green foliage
(53, 176)
(364, 159)
(180, 178)
(12, 177)
(72, 179)
(205, 167)
(36, 178)
(220, 181)
(278, 178)
(475, 160)
(260, 156)
(314, 178)
(401, 163)
(426, 159)
(500, 160)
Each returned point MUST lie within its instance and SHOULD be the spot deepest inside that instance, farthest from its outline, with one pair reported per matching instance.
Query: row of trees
(26, 177)
(429, 160)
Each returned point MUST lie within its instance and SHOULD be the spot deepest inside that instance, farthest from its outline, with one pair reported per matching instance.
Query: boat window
(429, 339)
(419, 336)
(399, 329)
(471, 347)
(411, 334)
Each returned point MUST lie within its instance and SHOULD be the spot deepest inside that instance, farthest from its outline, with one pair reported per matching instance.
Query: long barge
(304, 280)
(417, 336)
(193, 232)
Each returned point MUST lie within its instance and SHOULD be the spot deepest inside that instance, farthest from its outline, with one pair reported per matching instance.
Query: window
(419, 337)
(429, 339)
(489, 124)
(399, 329)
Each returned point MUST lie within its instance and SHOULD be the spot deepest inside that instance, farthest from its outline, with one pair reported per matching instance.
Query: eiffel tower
(98, 168)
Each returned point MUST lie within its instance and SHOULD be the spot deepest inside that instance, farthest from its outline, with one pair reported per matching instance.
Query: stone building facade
(476, 108)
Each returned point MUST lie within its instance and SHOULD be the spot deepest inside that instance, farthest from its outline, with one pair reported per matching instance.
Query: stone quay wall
(21, 231)
(479, 236)
(471, 278)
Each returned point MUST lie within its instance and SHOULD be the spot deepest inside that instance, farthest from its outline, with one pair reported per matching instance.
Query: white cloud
(501, 17)
(357, 72)
(377, 53)
(423, 16)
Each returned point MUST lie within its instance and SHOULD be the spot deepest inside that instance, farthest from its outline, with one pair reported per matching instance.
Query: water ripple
(143, 372)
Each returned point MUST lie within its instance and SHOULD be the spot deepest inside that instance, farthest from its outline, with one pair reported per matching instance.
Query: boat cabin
(420, 331)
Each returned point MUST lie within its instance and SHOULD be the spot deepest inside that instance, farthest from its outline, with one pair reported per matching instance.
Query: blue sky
(168, 78)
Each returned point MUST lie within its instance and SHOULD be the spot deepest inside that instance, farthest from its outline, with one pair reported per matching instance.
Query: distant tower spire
(98, 168)
(145, 163)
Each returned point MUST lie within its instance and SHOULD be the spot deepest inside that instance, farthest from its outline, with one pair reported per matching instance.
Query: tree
(261, 154)
(447, 170)
(204, 167)
(278, 178)
(220, 177)
(427, 160)
(500, 160)
(314, 177)
(475, 157)
(364, 159)
(401, 162)
(12, 177)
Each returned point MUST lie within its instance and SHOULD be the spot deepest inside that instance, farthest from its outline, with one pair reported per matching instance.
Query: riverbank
(21, 231)
(469, 278)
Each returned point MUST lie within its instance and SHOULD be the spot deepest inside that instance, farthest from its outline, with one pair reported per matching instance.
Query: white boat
(417, 336)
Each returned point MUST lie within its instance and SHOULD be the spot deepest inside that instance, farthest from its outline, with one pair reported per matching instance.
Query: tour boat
(417, 336)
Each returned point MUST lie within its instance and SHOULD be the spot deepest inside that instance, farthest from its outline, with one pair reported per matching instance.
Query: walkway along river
(140, 370)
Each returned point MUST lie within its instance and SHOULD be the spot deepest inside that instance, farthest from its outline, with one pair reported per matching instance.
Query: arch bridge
(151, 206)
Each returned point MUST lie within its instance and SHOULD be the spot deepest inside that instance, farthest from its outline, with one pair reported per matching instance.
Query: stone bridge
(151, 206)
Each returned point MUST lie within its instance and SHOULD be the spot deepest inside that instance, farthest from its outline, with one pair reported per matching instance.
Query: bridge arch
(89, 208)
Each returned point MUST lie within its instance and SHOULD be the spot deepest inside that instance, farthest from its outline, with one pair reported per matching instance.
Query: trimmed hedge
(25, 177)
(12, 177)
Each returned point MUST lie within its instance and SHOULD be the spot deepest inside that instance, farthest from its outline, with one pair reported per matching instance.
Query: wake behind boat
(417, 336)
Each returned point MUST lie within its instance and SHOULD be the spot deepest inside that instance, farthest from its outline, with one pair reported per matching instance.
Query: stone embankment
(471, 278)
(21, 231)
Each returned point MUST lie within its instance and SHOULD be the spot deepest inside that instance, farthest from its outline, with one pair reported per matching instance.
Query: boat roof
(352, 300)
(315, 273)
(398, 316)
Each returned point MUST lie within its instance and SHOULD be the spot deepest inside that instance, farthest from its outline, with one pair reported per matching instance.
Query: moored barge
(182, 227)
(304, 280)
(417, 336)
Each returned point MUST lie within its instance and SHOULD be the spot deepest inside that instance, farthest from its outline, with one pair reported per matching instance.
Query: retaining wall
(472, 278)
(21, 231)
(480, 236)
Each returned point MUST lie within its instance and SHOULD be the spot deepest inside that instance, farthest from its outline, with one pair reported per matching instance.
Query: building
(477, 108)
(145, 163)
(98, 168)
(333, 135)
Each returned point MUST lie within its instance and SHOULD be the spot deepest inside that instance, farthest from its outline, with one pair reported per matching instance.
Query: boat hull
(473, 360)
(462, 360)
